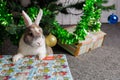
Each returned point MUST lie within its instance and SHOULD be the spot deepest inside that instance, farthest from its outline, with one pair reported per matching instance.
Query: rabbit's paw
(17, 57)
(41, 57)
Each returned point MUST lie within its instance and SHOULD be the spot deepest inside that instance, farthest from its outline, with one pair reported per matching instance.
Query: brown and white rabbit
(32, 41)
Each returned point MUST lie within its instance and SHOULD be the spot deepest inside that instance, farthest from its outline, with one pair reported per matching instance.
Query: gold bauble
(51, 40)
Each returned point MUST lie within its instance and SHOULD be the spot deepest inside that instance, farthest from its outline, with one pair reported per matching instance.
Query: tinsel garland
(89, 22)
(92, 15)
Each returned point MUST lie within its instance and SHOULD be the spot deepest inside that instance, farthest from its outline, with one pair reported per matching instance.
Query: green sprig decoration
(105, 8)
(9, 29)
(5, 17)
(5, 20)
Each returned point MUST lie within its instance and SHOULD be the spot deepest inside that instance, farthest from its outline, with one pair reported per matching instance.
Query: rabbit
(32, 41)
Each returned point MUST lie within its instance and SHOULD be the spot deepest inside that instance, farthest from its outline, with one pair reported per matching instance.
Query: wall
(74, 19)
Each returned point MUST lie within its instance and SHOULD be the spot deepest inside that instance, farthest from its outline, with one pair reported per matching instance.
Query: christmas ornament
(112, 19)
(51, 40)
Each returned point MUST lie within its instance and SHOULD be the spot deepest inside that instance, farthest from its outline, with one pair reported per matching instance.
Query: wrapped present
(80, 48)
(54, 67)
(97, 39)
(92, 41)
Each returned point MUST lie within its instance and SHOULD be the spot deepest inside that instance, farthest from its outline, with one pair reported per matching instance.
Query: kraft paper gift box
(97, 39)
(80, 48)
(92, 41)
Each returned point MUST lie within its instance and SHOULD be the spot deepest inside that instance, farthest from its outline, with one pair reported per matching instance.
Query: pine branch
(107, 8)
(104, 1)
(77, 6)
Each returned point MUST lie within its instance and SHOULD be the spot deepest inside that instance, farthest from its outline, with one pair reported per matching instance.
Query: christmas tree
(12, 24)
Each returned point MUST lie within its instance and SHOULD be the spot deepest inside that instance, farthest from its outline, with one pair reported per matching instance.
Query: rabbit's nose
(37, 34)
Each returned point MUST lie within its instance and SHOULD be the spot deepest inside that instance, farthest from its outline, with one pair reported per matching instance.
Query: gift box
(97, 39)
(80, 48)
(92, 41)
(54, 67)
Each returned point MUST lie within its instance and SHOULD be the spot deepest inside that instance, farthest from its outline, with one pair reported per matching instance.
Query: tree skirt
(53, 67)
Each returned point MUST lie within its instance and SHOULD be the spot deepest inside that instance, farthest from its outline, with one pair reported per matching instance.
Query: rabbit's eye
(30, 34)
(40, 30)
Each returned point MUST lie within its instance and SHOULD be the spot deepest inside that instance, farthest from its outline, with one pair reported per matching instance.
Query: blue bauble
(112, 19)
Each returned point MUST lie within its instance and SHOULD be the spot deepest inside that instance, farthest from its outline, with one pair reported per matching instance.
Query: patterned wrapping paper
(53, 67)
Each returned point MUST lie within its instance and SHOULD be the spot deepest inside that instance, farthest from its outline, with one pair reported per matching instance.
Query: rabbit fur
(32, 41)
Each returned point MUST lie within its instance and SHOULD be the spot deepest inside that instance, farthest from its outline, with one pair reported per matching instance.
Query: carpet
(53, 67)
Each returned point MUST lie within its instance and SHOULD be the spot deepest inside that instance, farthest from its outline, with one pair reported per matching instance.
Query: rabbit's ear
(39, 17)
(26, 18)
